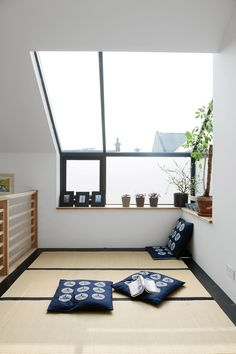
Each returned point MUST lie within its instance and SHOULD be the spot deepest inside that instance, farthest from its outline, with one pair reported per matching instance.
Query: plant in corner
(200, 141)
(180, 177)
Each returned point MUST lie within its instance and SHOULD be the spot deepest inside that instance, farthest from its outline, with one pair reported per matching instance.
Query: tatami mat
(43, 283)
(182, 327)
(102, 259)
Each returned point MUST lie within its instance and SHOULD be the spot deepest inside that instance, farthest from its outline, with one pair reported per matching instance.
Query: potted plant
(125, 200)
(140, 199)
(180, 177)
(200, 141)
(153, 199)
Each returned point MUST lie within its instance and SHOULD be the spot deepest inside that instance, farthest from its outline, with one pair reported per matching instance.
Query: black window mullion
(47, 101)
(103, 155)
(100, 59)
(62, 173)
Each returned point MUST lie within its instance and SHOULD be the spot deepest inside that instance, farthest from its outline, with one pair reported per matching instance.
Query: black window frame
(98, 155)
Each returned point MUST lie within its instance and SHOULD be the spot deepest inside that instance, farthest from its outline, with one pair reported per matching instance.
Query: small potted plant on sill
(140, 199)
(180, 177)
(200, 141)
(153, 199)
(125, 200)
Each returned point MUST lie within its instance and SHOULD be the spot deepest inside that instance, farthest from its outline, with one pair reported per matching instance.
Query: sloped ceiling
(134, 25)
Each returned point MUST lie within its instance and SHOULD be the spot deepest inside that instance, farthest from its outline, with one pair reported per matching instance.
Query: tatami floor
(189, 321)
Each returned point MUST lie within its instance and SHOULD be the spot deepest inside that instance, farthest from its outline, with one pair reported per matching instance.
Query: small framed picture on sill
(66, 199)
(98, 199)
(82, 199)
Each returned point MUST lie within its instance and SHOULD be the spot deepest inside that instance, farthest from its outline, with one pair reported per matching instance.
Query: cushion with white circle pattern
(179, 237)
(159, 252)
(82, 295)
(164, 283)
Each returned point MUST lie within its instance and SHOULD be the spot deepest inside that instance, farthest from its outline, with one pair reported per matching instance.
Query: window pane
(131, 175)
(82, 175)
(151, 98)
(73, 88)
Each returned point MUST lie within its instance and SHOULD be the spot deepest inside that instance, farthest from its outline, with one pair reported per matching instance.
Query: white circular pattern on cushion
(168, 280)
(182, 227)
(162, 253)
(155, 276)
(172, 246)
(135, 276)
(170, 253)
(65, 298)
(171, 233)
(178, 225)
(83, 289)
(67, 290)
(177, 237)
(160, 284)
(127, 282)
(69, 283)
(173, 236)
(81, 296)
(98, 296)
(84, 282)
(99, 290)
(169, 244)
(100, 284)
(143, 272)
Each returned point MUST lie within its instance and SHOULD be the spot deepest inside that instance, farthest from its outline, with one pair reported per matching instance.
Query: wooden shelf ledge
(203, 218)
(120, 207)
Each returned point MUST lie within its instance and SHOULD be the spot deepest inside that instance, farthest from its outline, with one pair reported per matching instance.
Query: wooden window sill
(120, 207)
(192, 212)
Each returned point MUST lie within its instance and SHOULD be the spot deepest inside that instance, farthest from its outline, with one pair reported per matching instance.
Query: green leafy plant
(200, 141)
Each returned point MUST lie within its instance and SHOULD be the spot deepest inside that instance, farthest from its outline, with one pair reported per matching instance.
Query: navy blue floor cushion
(179, 237)
(159, 252)
(177, 241)
(164, 283)
(82, 295)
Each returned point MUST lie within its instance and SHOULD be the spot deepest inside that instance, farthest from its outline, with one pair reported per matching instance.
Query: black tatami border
(107, 269)
(44, 298)
(226, 304)
(214, 290)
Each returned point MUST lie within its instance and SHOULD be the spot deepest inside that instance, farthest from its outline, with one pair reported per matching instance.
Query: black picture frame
(82, 199)
(98, 199)
(66, 199)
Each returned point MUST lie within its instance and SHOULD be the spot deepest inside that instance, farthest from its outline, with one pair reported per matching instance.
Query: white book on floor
(140, 285)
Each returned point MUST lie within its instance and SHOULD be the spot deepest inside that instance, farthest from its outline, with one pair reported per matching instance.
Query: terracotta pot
(153, 201)
(125, 201)
(204, 206)
(140, 201)
(180, 199)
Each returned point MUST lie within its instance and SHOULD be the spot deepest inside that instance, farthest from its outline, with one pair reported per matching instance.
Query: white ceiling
(134, 25)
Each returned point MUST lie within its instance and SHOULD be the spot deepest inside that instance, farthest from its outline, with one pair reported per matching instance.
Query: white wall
(83, 228)
(214, 246)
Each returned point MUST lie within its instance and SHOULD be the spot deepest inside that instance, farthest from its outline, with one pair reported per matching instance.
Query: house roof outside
(168, 142)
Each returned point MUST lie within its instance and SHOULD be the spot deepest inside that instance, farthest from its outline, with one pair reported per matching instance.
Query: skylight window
(118, 114)
(147, 94)
(73, 88)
